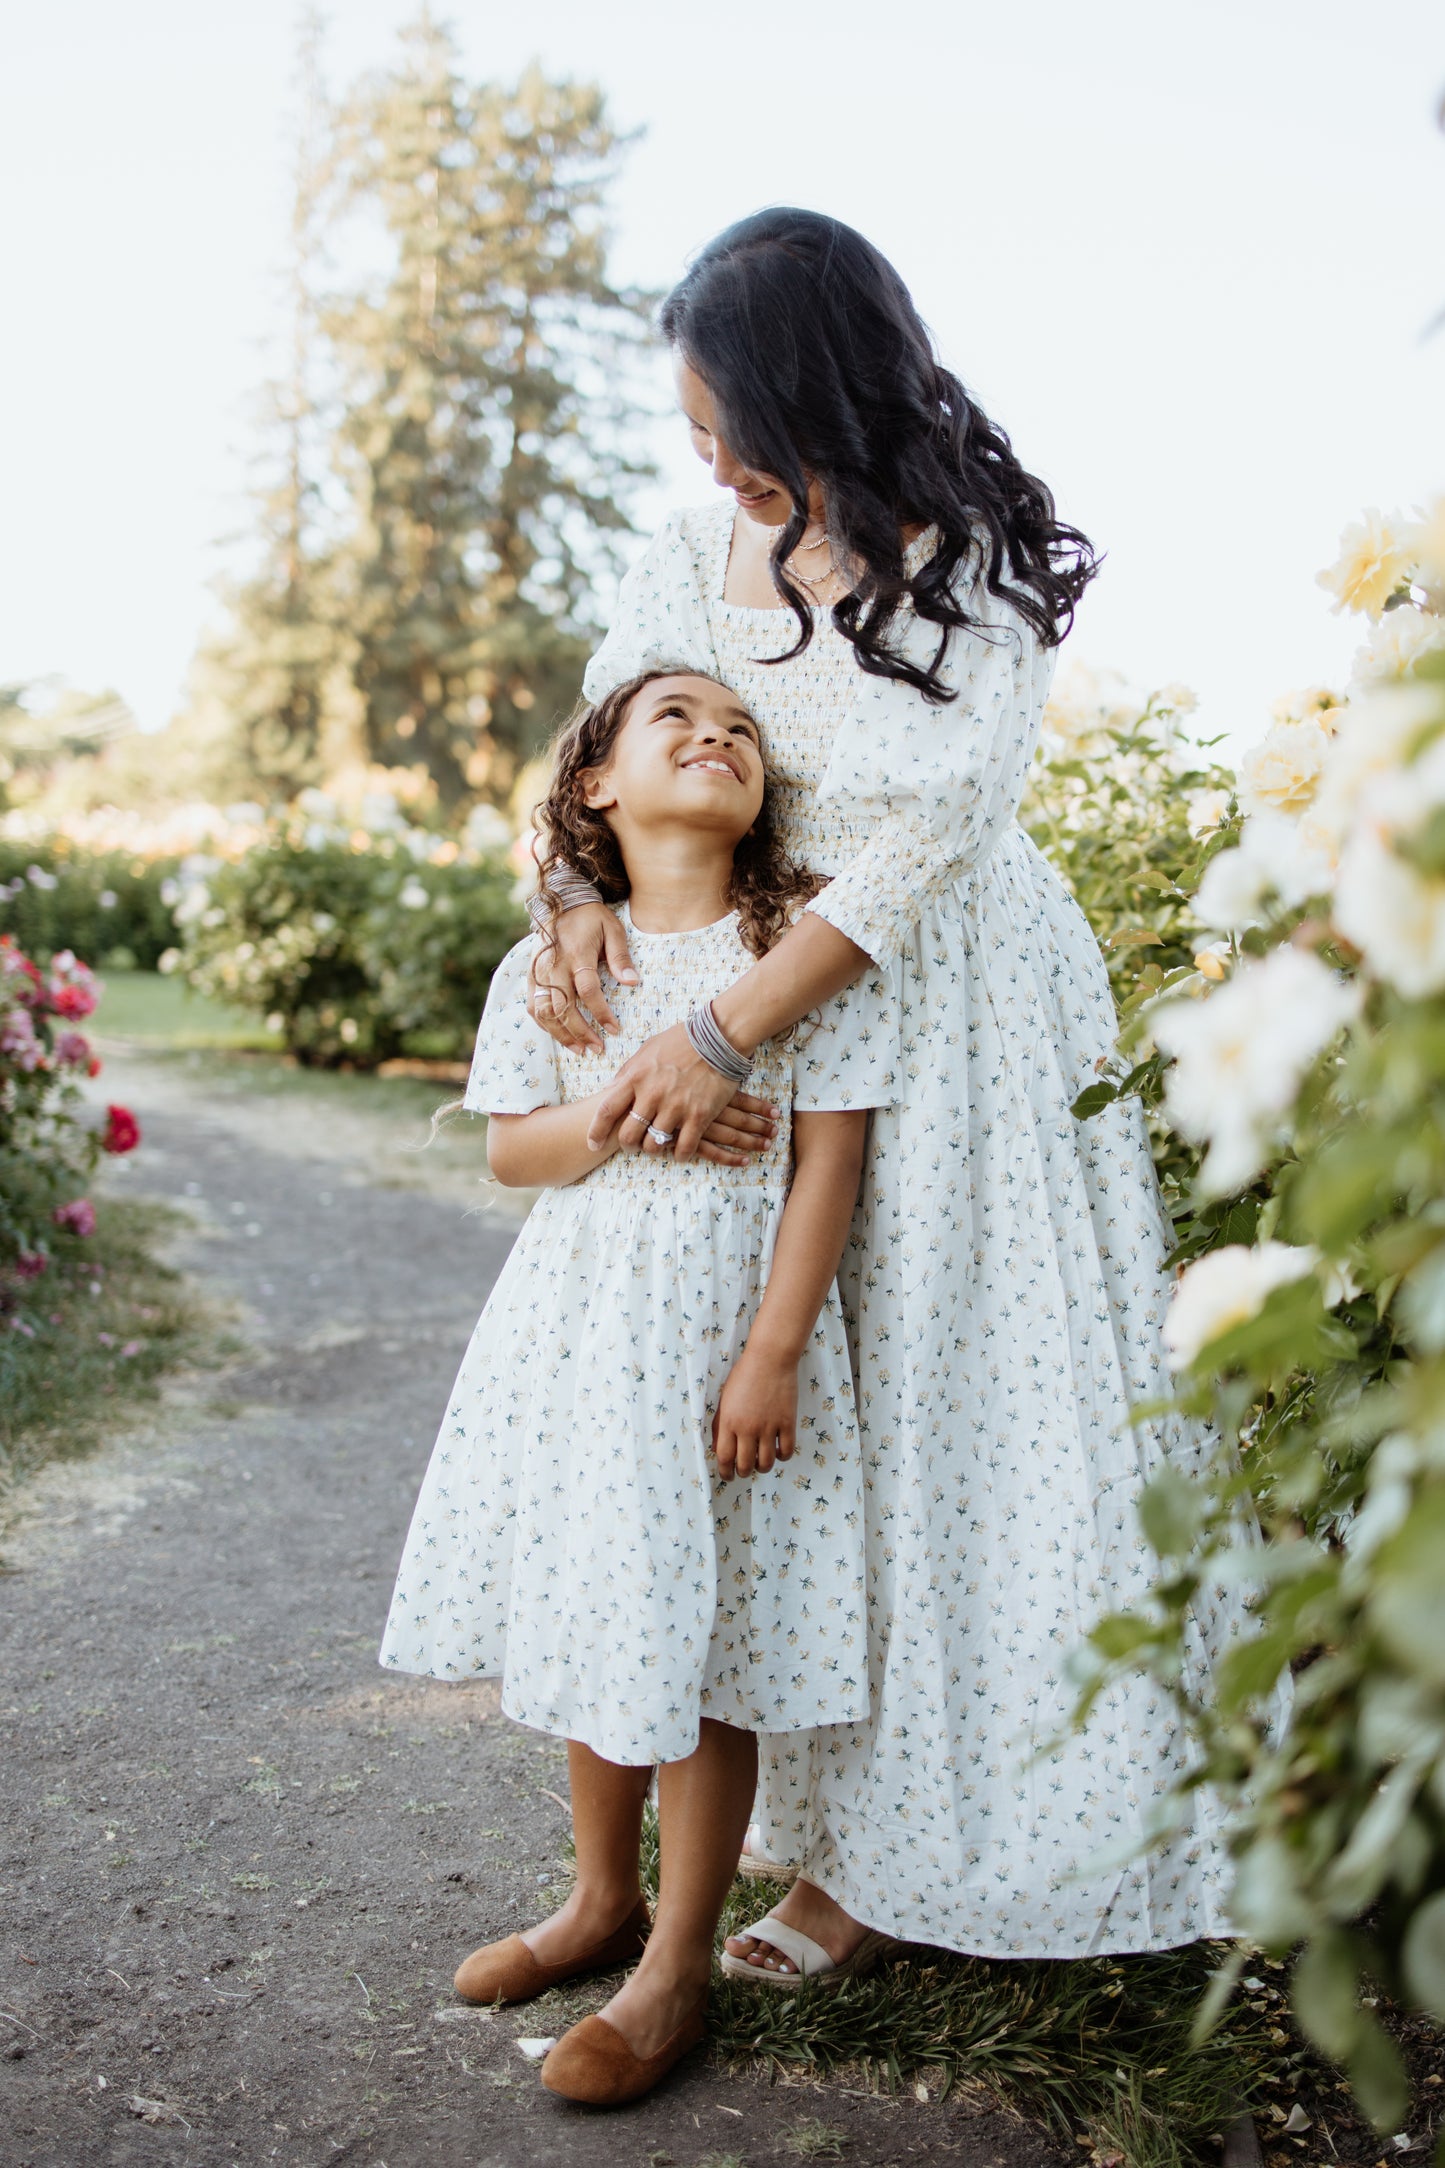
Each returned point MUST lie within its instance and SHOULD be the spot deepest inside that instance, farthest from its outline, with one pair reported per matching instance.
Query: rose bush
(47, 1151)
(112, 905)
(1294, 1068)
(357, 939)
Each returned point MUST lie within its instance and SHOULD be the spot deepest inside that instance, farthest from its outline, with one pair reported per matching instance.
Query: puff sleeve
(940, 783)
(514, 1065)
(848, 1056)
(660, 622)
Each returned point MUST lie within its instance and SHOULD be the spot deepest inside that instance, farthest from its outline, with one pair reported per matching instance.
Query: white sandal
(812, 1960)
(756, 1865)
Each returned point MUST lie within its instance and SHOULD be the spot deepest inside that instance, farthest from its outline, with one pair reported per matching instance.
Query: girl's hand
(745, 1127)
(668, 1086)
(565, 976)
(757, 1415)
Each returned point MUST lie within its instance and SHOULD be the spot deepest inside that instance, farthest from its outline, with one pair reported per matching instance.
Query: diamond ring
(661, 1136)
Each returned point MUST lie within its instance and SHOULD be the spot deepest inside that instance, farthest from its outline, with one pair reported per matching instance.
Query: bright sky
(1187, 255)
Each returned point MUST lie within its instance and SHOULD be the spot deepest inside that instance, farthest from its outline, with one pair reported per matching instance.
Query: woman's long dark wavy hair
(821, 370)
(764, 886)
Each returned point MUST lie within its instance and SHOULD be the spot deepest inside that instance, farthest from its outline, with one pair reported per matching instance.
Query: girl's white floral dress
(1004, 1295)
(571, 1532)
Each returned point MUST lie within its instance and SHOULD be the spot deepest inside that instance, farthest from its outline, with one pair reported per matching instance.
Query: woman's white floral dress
(1004, 1296)
(571, 1531)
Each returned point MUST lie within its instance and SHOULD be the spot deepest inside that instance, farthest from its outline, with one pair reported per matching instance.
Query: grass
(155, 1012)
(107, 1322)
(1096, 2049)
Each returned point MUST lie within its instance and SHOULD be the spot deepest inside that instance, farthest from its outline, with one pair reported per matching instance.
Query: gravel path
(240, 1863)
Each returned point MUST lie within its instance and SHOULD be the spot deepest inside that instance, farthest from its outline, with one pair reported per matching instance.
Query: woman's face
(761, 496)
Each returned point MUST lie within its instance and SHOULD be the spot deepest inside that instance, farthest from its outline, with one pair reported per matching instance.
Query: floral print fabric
(1004, 1294)
(571, 1532)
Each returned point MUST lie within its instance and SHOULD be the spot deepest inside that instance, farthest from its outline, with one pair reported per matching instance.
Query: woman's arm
(669, 1086)
(757, 1414)
(546, 1148)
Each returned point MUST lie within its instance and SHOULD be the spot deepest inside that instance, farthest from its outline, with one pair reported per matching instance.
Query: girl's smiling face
(689, 755)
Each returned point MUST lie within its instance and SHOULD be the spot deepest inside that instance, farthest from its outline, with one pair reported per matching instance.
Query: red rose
(122, 1130)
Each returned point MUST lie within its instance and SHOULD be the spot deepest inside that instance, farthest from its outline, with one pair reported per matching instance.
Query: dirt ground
(239, 1862)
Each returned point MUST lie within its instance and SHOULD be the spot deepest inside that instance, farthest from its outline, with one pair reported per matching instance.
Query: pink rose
(72, 1049)
(72, 990)
(77, 1217)
(30, 1264)
(18, 1040)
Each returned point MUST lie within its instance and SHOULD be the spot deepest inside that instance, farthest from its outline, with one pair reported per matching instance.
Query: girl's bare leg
(703, 1808)
(607, 1802)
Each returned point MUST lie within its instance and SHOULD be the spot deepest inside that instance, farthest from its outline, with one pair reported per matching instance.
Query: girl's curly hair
(765, 885)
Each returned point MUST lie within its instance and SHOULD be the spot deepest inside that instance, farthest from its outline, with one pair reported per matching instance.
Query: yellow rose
(1375, 558)
(1281, 774)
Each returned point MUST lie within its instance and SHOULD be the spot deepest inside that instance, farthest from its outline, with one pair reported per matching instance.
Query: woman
(885, 592)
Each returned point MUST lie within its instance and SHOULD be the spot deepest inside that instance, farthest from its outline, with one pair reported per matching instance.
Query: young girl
(659, 1334)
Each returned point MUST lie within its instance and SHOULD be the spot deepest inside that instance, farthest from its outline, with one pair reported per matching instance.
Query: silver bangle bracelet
(715, 1048)
(571, 891)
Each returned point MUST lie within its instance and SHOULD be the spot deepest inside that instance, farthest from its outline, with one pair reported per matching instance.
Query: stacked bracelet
(570, 890)
(716, 1050)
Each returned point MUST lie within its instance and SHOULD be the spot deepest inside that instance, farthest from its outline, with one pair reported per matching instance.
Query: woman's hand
(665, 1086)
(565, 977)
(757, 1416)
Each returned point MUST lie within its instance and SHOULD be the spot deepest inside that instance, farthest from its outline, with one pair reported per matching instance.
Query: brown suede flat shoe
(594, 2064)
(510, 1972)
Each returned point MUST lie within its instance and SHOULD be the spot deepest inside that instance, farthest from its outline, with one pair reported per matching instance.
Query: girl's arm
(757, 1414)
(546, 1148)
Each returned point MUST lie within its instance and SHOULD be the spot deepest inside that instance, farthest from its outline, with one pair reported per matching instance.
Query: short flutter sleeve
(941, 783)
(514, 1065)
(846, 1055)
(660, 622)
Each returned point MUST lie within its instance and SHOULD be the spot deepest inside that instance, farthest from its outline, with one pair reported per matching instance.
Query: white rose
(1396, 644)
(1178, 699)
(1085, 701)
(1281, 774)
(1227, 1288)
(1374, 738)
(1392, 911)
(1305, 705)
(1275, 857)
(1428, 544)
(1240, 1055)
(1206, 810)
(413, 896)
(1377, 556)
(487, 830)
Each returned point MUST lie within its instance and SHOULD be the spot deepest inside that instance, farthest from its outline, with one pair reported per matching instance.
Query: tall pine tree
(278, 668)
(486, 419)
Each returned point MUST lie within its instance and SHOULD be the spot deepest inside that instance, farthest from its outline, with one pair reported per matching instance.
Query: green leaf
(1121, 1634)
(1267, 1902)
(1421, 1306)
(1093, 1100)
(1325, 1994)
(1134, 937)
(1423, 1956)
(1407, 1603)
(1349, 1184)
(1171, 1511)
(1216, 1996)
(1251, 1668)
(1378, 2075)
